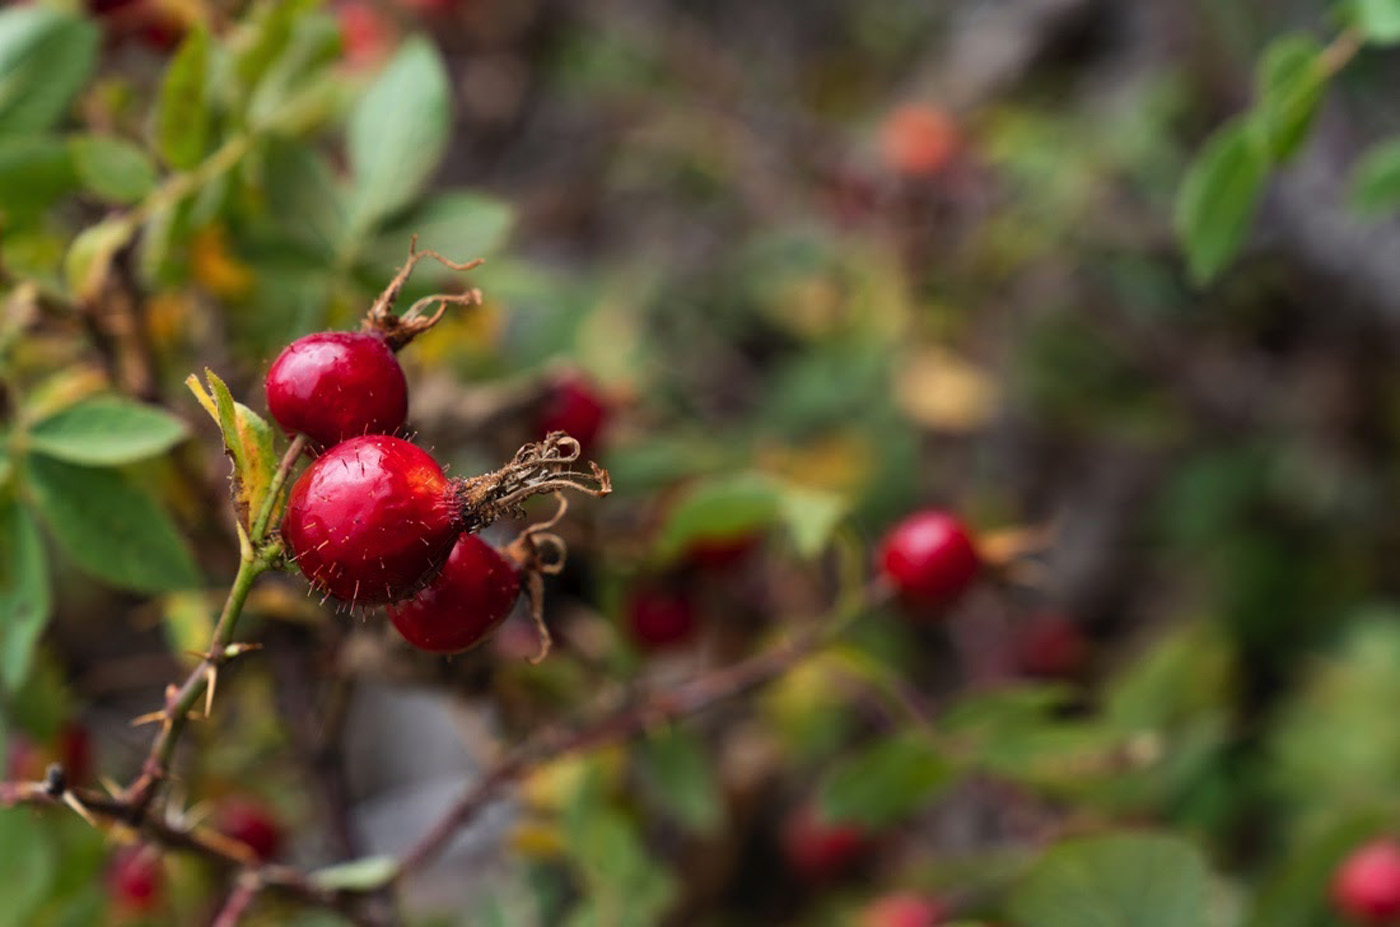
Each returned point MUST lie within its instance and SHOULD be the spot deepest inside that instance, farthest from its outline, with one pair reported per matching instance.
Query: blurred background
(790, 271)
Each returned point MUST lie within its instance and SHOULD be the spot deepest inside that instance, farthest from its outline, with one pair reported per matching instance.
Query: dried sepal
(399, 330)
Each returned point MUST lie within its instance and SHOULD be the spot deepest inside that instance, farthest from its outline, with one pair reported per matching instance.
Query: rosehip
(474, 593)
(332, 386)
(574, 407)
(1050, 646)
(904, 909)
(819, 850)
(918, 140)
(366, 34)
(720, 553)
(75, 752)
(929, 559)
(371, 520)
(250, 823)
(1367, 884)
(658, 618)
(135, 879)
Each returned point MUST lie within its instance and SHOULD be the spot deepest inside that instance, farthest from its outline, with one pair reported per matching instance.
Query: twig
(245, 890)
(628, 721)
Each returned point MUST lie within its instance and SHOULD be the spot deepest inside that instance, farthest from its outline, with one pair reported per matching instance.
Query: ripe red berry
(659, 618)
(720, 552)
(818, 850)
(474, 593)
(250, 823)
(1050, 646)
(332, 386)
(1367, 884)
(929, 559)
(918, 140)
(371, 520)
(904, 909)
(574, 407)
(135, 879)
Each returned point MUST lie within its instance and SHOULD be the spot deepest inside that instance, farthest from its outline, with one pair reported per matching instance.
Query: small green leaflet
(1216, 203)
(247, 440)
(106, 432)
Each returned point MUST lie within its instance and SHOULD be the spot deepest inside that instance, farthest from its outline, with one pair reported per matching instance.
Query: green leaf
(110, 528)
(113, 168)
(723, 507)
(89, 258)
(1375, 181)
(314, 45)
(182, 112)
(1142, 880)
(460, 224)
(106, 432)
(398, 133)
(265, 37)
(364, 874)
(309, 204)
(676, 766)
(1291, 80)
(1378, 20)
(34, 171)
(1216, 202)
(45, 59)
(811, 516)
(29, 868)
(248, 440)
(885, 783)
(24, 592)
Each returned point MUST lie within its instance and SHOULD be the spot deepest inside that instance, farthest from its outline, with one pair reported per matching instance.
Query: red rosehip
(332, 386)
(820, 851)
(720, 553)
(574, 407)
(1367, 884)
(135, 879)
(371, 520)
(929, 559)
(1050, 646)
(252, 824)
(658, 618)
(918, 140)
(904, 909)
(471, 597)
(75, 752)
(366, 34)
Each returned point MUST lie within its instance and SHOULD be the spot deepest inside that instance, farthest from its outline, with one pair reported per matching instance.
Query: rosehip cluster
(374, 520)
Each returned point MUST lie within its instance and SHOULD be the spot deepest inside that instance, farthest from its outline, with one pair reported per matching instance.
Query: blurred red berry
(904, 909)
(720, 553)
(820, 851)
(917, 140)
(75, 752)
(135, 879)
(333, 386)
(251, 823)
(366, 35)
(24, 761)
(474, 593)
(1050, 646)
(1366, 886)
(929, 559)
(659, 618)
(575, 407)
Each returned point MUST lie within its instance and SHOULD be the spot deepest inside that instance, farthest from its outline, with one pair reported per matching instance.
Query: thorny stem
(245, 891)
(274, 491)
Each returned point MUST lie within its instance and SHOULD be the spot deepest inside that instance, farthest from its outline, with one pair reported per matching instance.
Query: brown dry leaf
(940, 390)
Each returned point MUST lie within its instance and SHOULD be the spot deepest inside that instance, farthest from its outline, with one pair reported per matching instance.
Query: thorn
(212, 674)
(71, 801)
(110, 786)
(148, 718)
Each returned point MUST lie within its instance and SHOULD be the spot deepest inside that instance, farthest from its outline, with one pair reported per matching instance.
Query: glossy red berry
(819, 850)
(371, 520)
(332, 386)
(575, 407)
(929, 559)
(659, 618)
(1366, 886)
(252, 824)
(903, 909)
(470, 598)
(1050, 646)
(135, 879)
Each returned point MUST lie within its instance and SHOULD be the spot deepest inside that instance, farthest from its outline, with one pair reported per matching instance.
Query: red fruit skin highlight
(371, 520)
(250, 823)
(473, 594)
(658, 619)
(332, 386)
(820, 851)
(929, 559)
(904, 909)
(1366, 886)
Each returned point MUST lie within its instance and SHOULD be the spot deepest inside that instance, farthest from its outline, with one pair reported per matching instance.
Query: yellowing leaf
(247, 439)
(537, 840)
(215, 267)
(940, 390)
